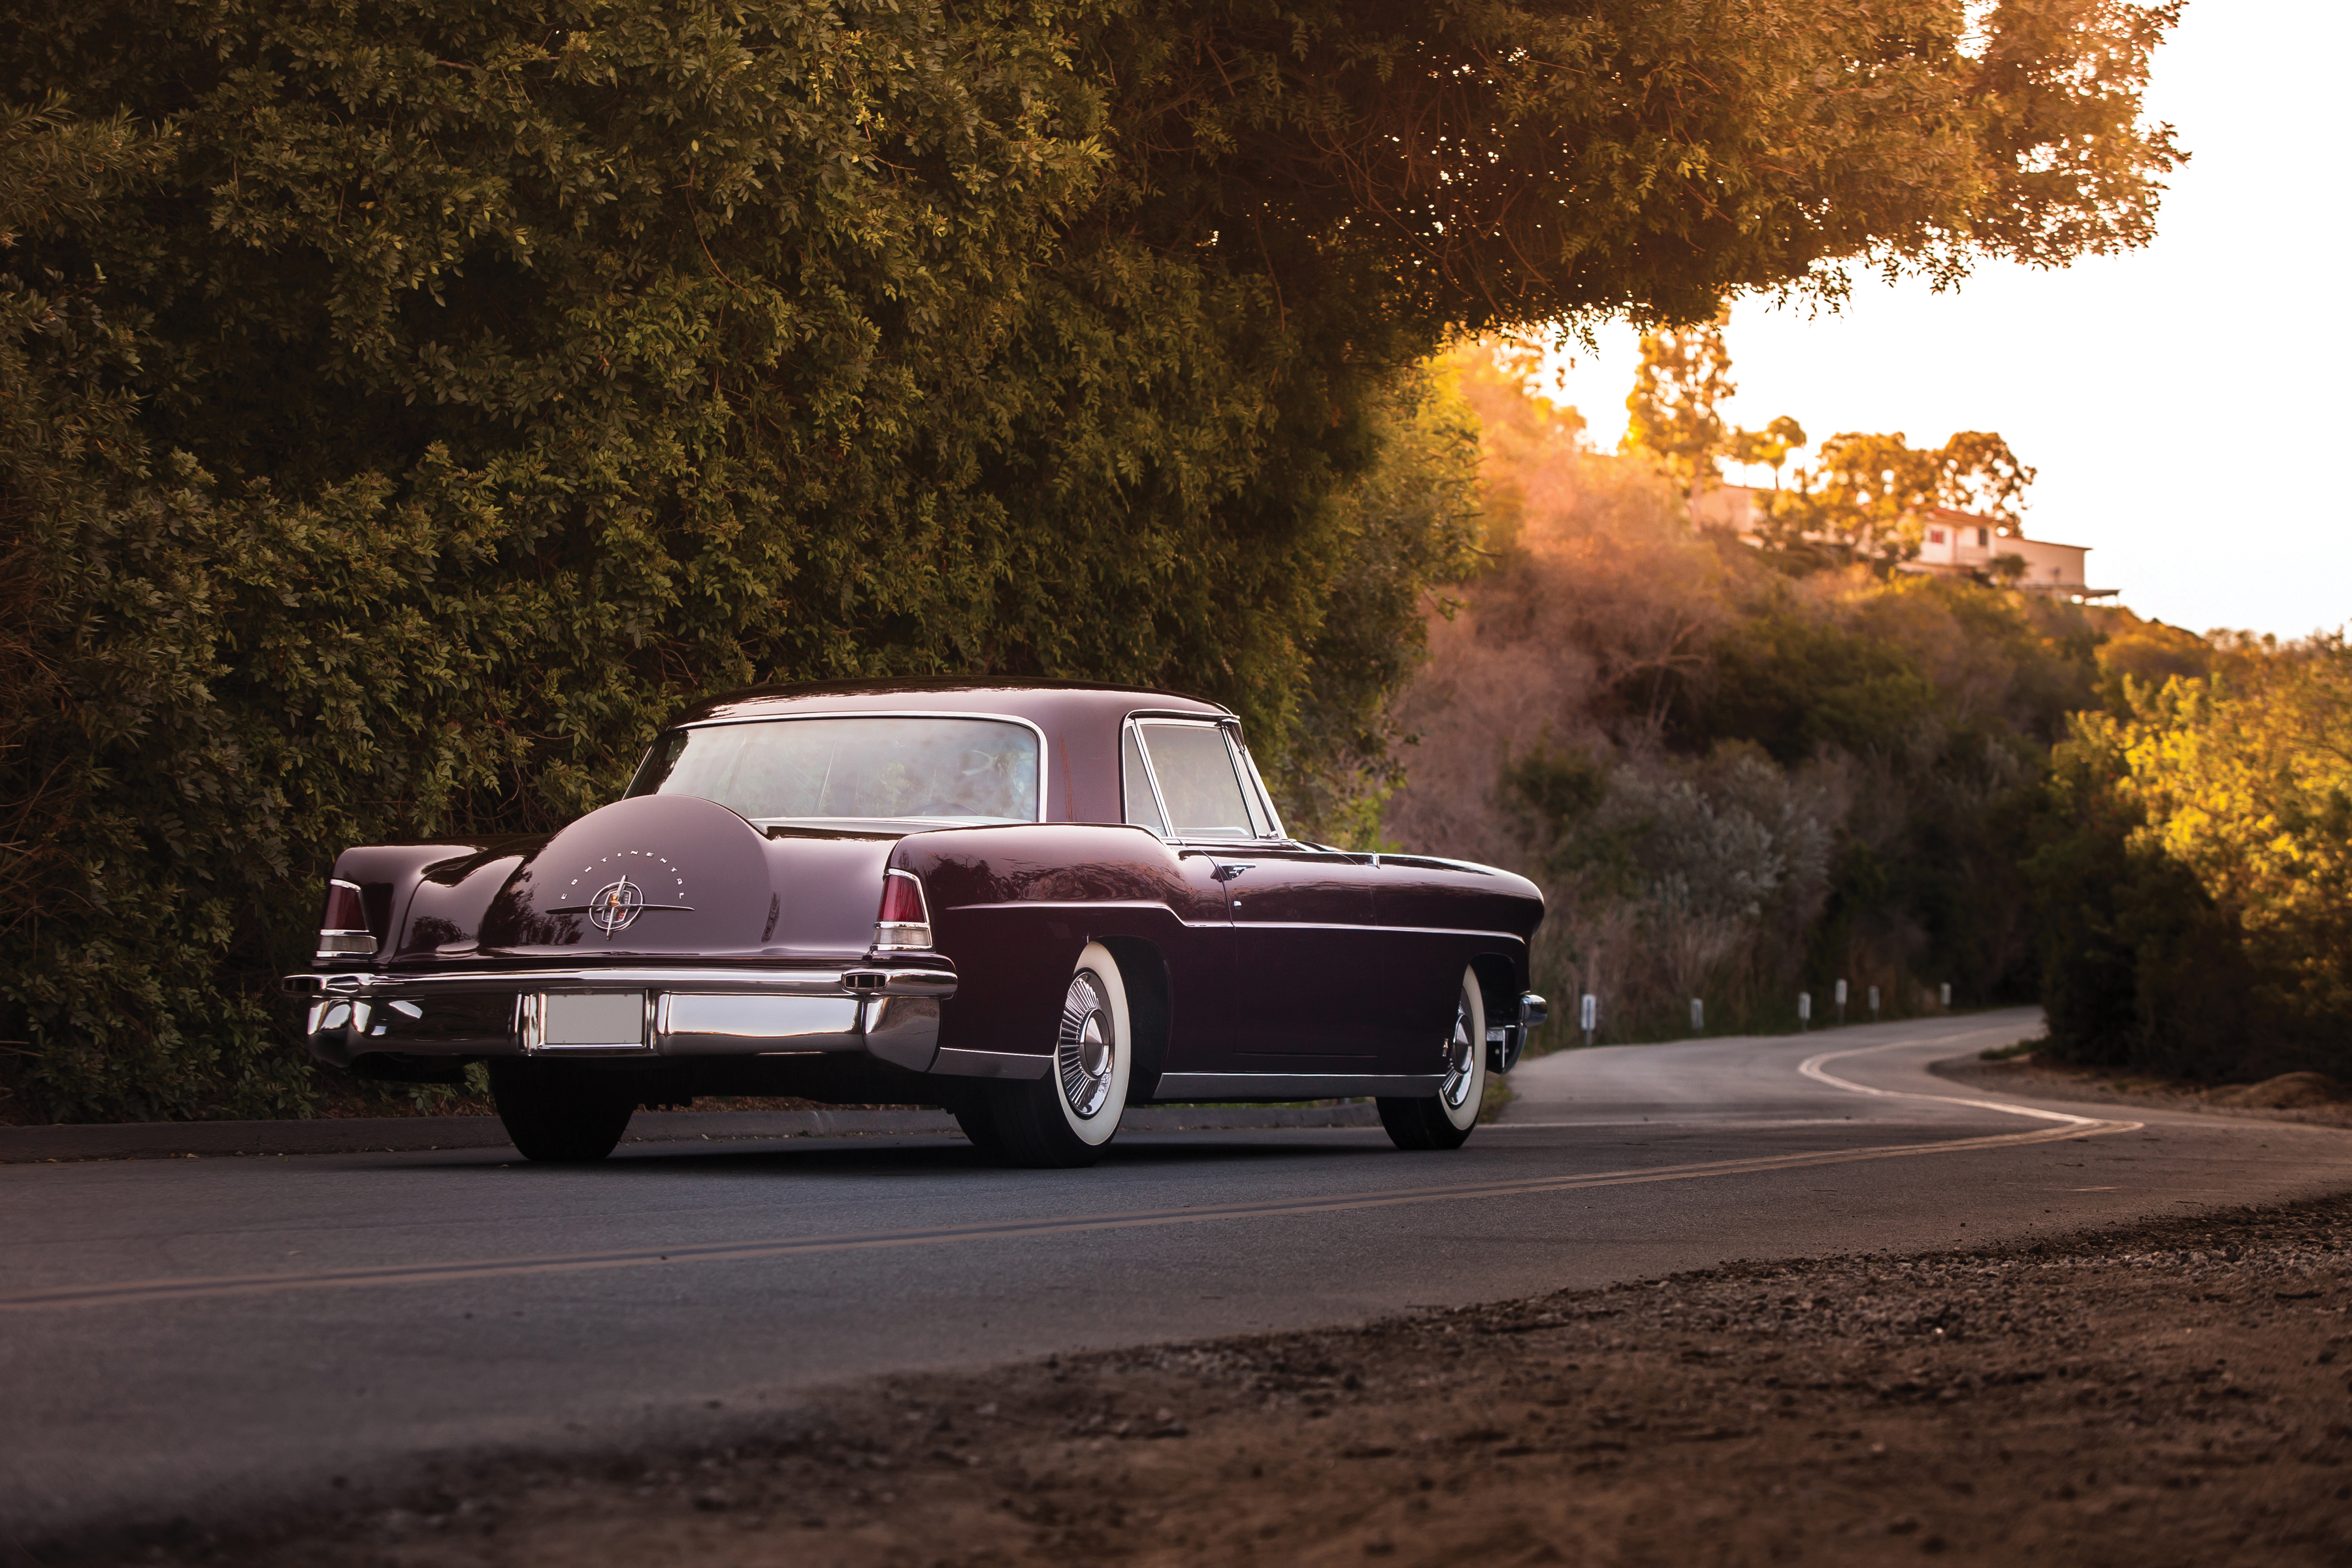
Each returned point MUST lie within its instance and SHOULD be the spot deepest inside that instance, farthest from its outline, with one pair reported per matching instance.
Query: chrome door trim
(1250, 775)
(1151, 780)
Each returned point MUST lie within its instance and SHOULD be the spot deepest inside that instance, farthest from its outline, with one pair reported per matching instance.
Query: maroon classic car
(1034, 905)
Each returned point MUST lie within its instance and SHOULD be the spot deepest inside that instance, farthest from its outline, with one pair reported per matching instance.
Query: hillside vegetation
(1738, 774)
(1741, 773)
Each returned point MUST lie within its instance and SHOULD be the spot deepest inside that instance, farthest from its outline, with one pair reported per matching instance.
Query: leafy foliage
(1671, 412)
(1410, 522)
(1865, 496)
(427, 396)
(2196, 868)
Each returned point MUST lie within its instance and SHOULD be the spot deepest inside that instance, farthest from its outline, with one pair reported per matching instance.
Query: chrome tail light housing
(904, 922)
(343, 933)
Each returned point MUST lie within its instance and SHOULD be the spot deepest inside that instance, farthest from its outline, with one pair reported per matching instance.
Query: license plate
(576, 1021)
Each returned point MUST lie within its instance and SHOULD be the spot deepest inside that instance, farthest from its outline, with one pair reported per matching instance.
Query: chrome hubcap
(1461, 1058)
(1089, 1046)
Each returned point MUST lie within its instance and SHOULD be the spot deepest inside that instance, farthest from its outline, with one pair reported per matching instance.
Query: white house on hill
(1956, 544)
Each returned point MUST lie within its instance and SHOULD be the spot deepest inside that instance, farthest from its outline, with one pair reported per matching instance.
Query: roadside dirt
(2173, 1394)
(2295, 1097)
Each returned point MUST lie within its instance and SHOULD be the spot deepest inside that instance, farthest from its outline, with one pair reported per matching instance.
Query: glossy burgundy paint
(1013, 907)
(1300, 914)
(1266, 956)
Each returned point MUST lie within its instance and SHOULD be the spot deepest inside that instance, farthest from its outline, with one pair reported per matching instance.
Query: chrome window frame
(1256, 780)
(1129, 729)
(1237, 756)
(1045, 772)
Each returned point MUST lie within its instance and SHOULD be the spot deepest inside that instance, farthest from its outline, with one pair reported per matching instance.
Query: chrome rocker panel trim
(991, 1064)
(1184, 1086)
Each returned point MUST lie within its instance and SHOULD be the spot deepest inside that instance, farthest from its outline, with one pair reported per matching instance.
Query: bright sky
(2184, 403)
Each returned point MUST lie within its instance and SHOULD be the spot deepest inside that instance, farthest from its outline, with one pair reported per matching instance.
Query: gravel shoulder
(2174, 1392)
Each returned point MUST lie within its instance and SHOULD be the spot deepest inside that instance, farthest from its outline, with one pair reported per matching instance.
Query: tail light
(343, 927)
(904, 923)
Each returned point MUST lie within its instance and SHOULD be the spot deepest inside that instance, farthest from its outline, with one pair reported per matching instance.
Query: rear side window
(1195, 770)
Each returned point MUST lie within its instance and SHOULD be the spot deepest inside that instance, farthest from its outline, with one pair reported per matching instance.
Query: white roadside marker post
(1841, 1003)
(1699, 1016)
(1805, 1011)
(1591, 1014)
(1874, 1003)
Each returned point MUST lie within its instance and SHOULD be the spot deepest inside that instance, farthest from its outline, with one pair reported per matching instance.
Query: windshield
(971, 769)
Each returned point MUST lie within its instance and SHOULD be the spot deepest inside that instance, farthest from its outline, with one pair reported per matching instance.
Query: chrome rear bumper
(646, 1013)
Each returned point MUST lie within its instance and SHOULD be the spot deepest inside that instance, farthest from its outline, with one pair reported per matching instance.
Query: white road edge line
(1811, 1067)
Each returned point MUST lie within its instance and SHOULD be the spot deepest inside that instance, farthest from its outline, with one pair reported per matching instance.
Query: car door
(1201, 955)
(1302, 929)
(1301, 915)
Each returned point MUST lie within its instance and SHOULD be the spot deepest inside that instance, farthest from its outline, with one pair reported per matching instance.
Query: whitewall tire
(1068, 1115)
(1444, 1119)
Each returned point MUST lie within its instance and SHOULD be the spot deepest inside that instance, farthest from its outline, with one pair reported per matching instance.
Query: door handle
(1228, 870)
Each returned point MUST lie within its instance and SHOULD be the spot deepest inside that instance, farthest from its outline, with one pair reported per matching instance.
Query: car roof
(1050, 704)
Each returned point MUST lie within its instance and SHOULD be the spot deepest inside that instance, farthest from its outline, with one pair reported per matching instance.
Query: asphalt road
(203, 1337)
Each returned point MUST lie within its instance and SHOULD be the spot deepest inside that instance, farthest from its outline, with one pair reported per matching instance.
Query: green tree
(1411, 521)
(1769, 447)
(1672, 412)
(2197, 868)
(1866, 496)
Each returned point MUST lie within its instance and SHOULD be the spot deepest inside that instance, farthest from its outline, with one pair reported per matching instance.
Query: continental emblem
(615, 905)
(643, 878)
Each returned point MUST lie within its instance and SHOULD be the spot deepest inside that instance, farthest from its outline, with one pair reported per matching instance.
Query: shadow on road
(878, 1158)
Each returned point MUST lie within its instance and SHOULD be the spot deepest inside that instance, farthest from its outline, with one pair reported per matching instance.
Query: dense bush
(2195, 869)
(1739, 772)
(411, 401)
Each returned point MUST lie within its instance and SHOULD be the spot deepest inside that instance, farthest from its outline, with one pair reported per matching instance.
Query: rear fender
(1013, 907)
(388, 876)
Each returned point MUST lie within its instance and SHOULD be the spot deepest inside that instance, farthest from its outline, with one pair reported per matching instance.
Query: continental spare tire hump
(653, 876)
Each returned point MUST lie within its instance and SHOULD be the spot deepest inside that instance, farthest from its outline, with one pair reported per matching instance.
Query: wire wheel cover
(1461, 1057)
(1088, 1051)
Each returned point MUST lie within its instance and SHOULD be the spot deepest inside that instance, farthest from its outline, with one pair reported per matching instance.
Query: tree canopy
(1867, 495)
(408, 401)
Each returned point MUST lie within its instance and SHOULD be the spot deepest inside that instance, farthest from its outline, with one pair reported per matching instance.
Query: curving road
(201, 1337)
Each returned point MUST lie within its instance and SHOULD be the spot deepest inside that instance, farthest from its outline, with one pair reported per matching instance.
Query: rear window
(853, 767)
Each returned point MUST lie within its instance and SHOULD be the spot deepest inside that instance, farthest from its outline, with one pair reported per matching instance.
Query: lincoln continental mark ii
(1034, 905)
